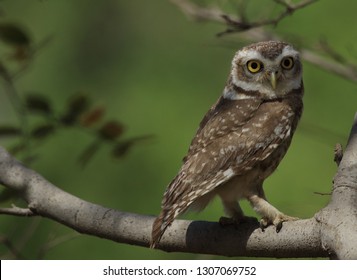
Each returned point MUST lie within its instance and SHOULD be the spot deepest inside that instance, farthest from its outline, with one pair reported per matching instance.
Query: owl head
(270, 69)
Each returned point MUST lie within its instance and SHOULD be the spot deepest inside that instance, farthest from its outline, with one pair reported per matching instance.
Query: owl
(241, 139)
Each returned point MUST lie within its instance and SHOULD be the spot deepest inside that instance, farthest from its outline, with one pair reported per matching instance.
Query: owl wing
(233, 137)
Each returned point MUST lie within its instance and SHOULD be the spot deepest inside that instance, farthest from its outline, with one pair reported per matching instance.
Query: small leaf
(76, 106)
(38, 103)
(93, 116)
(43, 131)
(9, 131)
(111, 130)
(78, 103)
(13, 34)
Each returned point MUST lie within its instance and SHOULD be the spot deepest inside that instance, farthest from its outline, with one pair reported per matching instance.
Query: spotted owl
(241, 139)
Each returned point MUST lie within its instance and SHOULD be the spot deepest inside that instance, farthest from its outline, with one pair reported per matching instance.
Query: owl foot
(225, 221)
(277, 222)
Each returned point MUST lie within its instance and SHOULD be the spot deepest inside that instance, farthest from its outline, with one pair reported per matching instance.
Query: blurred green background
(158, 73)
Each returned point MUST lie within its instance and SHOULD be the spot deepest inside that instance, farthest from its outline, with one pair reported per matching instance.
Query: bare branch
(345, 71)
(16, 211)
(242, 25)
(253, 31)
(338, 220)
(237, 24)
(297, 239)
(320, 236)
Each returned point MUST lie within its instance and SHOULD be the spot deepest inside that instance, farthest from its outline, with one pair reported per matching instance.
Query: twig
(16, 211)
(253, 31)
(242, 25)
(237, 24)
(321, 193)
(346, 71)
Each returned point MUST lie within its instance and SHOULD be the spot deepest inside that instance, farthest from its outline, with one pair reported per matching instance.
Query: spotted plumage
(242, 138)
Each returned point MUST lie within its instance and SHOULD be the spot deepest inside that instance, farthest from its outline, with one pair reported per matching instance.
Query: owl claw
(277, 222)
(225, 221)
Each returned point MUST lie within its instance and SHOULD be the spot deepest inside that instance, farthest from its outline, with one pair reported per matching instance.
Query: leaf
(43, 131)
(76, 106)
(38, 103)
(13, 34)
(9, 131)
(78, 103)
(93, 116)
(111, 130)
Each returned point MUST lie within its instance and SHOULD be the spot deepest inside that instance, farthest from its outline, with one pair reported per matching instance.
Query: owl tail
(173, 204)
(160, 225)
(157, 230)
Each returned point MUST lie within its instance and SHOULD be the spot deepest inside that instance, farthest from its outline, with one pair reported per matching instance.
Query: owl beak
(273, 80)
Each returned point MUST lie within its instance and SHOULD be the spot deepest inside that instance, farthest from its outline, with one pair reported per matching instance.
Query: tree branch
(339, 220)
(331, 232)
(47, 200)
(254, 31)
(16, 211)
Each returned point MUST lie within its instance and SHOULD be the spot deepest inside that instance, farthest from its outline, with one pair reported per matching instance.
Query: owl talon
(278, 226)
(264, 223)
(277, 222)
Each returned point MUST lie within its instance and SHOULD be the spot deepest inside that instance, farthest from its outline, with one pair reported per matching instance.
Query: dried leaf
(93, 116)
(43, 131)
(76, 106)
(9, 131)
(111, 130)
(38, 103)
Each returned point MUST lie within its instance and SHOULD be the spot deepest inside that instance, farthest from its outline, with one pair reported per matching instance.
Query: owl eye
(287, 63)
(254, 66)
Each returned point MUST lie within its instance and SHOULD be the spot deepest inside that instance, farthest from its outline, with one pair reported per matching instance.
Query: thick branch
(297, 239)
(339, 218)
(332, 232)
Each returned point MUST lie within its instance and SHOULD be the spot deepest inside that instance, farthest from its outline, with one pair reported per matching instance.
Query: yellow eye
(254, 66)
(287, 63)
